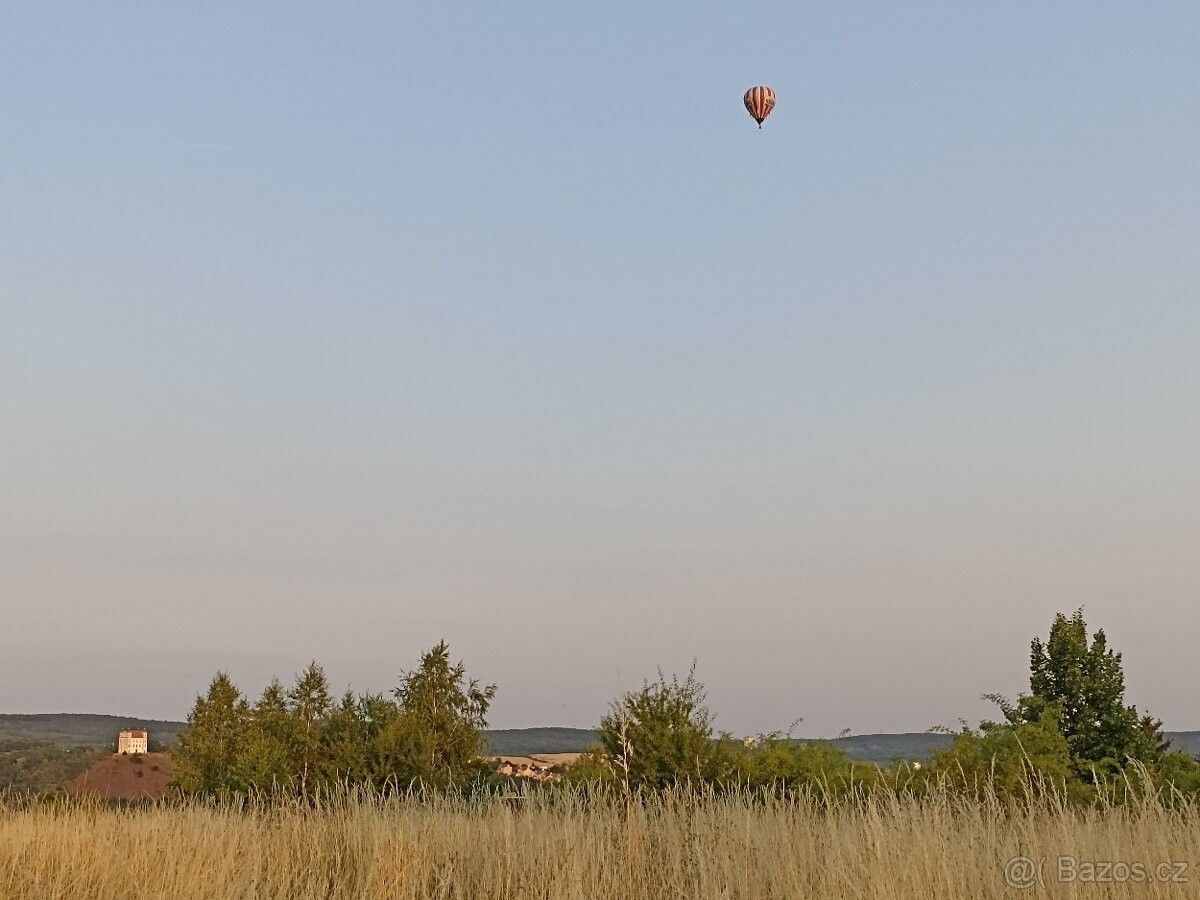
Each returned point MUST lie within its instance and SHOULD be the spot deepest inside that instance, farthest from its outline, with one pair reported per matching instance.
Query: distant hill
(85, 730)
(884, 748)
(1187, 741)
(525, 741)
(877, 748)
(880, 748)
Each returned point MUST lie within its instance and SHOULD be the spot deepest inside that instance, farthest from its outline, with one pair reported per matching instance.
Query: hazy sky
(330, 330)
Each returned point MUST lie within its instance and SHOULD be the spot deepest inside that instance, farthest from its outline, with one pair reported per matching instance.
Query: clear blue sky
(329, 330)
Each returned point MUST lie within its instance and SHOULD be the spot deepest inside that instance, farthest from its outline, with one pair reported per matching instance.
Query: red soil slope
(126, 777)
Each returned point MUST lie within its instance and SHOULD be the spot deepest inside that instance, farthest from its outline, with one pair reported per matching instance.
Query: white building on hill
(130, 742)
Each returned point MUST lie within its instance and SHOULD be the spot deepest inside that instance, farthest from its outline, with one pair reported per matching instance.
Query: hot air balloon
(759, 102)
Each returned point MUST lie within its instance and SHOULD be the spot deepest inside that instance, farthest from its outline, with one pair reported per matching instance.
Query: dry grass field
(561, 846)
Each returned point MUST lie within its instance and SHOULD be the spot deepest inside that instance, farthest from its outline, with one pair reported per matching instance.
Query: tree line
(428, 731)
(1073, 731)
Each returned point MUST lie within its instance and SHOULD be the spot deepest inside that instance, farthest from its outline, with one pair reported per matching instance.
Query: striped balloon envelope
(759, 102)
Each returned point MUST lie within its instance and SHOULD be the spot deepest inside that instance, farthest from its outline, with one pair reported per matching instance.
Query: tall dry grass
(562, 845)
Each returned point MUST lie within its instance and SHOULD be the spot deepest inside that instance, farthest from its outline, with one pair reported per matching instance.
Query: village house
(132, 742)
(526, 768)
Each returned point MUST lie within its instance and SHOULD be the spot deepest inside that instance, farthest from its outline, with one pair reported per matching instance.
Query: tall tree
(309, 704)
(206, 754)
(266, 759)
(436, 736)
(351, 735)
(1082, 683)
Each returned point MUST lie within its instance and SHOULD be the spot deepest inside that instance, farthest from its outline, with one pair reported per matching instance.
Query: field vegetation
(297, 795)
(565, 842)
(37, 767)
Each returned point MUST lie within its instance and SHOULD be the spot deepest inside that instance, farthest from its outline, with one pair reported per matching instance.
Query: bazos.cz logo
(1070, 870)
(1023, 873)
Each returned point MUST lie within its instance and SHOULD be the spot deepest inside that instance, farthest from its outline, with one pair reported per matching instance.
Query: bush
(813, 766)
(661, 736)
(1009, 760)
